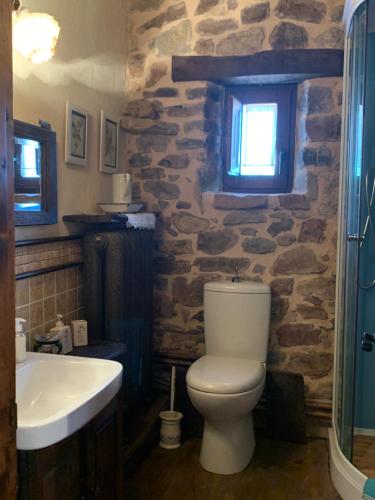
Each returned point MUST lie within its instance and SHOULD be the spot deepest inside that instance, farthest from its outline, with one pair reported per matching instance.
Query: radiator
(118, 298)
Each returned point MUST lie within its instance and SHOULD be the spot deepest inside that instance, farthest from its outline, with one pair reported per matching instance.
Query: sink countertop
(57, 395)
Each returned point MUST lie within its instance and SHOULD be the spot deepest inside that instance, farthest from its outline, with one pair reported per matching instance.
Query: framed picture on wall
(109, 132)
(76, 135)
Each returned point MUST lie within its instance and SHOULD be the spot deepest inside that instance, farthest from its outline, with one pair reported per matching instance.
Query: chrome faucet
(236, 278)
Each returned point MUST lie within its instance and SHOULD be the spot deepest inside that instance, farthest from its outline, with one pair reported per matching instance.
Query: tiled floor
(364, 454)
(279, 471)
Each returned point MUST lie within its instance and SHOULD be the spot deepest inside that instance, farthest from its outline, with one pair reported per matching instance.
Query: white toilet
(227, 383)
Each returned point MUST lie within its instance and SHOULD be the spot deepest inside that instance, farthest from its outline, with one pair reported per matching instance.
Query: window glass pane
(258, 144)
(27, 170)
(29, 157)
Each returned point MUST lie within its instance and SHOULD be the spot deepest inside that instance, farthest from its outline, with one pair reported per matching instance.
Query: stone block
(204, 46)
(205, 5)
(148, 143)
(151, 173)
(319, 99)
(173, 41)
(188, 223)
(333, 38)
(156, 73)
(175, 161)
(312, 230)
(140, 160)
(258, 245)
(288, 36)
(217, 242)
(222, 264)
(144, 108)
(312, 363)
(166, 92)
(298, 334)
(311, 11)
(233, 202)
(188, 144)
(294, 202)
(311, 312)
(175, 247)
(162, 190)
(209, 27)
(279, 309)
(283, 225)
(323, 128)
(188, 294)
(244, 217)
(183, 205)
(255, 13)
(299, 260)
(169, 265)
(173, 13)
(282, 286)
(286, 239)
(241, 43)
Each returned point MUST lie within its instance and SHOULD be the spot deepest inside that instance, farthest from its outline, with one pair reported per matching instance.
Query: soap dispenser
(20, 341)
(63, 333)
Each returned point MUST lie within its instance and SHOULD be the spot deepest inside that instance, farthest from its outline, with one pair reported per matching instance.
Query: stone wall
(174, 142)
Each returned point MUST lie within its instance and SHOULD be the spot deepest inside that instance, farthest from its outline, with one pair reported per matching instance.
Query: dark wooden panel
(41, 241)
(52, 473)
(286, 418)
(7, 295)
(86, 465)
(271, 66)
(102, 438)
(95, 218)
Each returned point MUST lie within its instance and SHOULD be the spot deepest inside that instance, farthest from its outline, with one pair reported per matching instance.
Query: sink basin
(57, 395)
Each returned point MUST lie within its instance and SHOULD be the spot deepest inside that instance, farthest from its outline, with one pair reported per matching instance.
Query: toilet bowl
(226, 384)
(225, 391)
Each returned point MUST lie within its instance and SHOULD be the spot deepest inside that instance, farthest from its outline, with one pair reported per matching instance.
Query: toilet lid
(221, 375)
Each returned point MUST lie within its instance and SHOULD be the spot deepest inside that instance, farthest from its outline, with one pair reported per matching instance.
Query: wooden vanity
(86, 465)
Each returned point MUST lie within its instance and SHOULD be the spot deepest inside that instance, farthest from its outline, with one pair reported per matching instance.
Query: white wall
(88, 69)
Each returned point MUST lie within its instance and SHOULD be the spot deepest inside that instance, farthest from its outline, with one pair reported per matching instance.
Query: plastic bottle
(20, 341)
(64, 334)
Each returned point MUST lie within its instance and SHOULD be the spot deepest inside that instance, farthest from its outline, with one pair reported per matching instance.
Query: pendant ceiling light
(35, 34)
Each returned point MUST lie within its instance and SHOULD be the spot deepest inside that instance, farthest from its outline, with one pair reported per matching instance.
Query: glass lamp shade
(35, 35)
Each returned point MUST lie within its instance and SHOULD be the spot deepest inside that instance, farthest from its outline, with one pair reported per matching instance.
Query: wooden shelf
(96, 219)
(271, 66)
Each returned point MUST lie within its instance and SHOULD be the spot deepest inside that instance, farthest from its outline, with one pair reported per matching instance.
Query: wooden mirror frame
(48, 212)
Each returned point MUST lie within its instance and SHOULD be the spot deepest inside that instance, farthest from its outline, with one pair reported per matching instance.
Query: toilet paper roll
(121, 188)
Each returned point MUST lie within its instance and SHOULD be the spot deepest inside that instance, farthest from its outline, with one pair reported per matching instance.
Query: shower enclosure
(352, 437)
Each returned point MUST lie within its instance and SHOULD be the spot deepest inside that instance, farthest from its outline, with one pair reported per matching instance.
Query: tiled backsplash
(40, 298)
(41, 256)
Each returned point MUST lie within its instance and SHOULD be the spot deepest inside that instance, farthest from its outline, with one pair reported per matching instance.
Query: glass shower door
(350, 225)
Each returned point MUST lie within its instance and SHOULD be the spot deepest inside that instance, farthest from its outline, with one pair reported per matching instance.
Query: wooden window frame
(48, 179)
(285, 95)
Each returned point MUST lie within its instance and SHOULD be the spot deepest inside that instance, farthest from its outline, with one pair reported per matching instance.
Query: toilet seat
(222, 375)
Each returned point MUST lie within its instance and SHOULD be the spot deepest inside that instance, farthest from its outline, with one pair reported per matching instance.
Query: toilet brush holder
(170, 431)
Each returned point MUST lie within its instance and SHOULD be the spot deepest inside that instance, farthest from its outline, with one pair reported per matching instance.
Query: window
(259, 138)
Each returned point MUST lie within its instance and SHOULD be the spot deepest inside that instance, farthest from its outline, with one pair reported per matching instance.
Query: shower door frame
(348, 480)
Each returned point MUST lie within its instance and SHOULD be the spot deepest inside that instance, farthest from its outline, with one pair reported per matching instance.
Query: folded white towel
(141, 221)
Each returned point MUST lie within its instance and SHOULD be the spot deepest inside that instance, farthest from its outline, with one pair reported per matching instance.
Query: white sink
(57, 395)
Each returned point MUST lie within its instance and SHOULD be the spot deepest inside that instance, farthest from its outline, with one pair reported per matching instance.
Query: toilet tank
(237, 319)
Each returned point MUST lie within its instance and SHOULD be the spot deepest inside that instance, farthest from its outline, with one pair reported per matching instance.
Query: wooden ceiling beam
(271, 66)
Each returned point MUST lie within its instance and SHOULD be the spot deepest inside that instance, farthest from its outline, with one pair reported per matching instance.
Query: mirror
(35, 184)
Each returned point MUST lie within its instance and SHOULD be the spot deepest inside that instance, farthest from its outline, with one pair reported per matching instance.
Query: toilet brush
(170, 431)
(173, 388)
